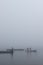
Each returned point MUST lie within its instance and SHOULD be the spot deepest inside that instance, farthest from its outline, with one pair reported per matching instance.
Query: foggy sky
(21, 23)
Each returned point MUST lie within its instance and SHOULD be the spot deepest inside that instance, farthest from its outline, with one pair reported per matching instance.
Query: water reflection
(13, 51)
(19, 58)
(28, 53)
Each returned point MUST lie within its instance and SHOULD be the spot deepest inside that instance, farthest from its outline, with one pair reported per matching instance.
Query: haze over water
(22, 58)
(21, 26)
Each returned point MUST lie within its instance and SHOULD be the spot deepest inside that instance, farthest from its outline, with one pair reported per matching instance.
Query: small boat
(7, 51)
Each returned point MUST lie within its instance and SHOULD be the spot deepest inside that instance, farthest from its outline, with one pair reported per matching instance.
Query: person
(12, 50)
(30, 49)
(27, 49)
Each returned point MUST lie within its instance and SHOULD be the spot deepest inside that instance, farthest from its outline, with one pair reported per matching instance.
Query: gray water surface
(22, 58)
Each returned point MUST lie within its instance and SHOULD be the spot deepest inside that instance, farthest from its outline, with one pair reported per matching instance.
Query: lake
(22, 58)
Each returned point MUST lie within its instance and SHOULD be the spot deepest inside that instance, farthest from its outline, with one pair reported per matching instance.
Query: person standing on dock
(27, 49)
(30, 49)
(12, 50)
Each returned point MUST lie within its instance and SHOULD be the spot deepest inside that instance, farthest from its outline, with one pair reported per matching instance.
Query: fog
(21, 23)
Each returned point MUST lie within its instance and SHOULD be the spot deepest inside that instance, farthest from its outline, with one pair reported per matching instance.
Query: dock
(18, 49)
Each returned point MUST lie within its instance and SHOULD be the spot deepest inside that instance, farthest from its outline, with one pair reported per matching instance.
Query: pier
(11, 51)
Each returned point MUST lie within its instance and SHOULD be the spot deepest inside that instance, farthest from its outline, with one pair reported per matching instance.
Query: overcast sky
(21, 23)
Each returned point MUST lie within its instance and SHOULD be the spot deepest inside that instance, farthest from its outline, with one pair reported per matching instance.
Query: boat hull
(5, 52)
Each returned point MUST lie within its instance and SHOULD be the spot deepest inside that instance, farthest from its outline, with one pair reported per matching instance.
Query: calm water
(22, 58)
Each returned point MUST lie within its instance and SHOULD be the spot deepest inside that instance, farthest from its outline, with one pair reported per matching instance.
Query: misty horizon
(21, 23)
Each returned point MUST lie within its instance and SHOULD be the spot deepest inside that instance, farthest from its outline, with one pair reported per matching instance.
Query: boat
(7, 51)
